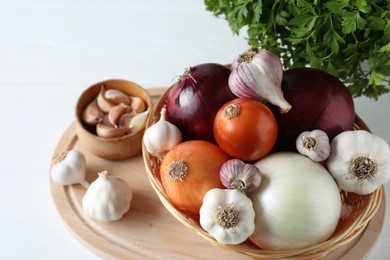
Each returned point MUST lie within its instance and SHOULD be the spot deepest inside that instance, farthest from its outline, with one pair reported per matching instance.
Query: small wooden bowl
(110, 148)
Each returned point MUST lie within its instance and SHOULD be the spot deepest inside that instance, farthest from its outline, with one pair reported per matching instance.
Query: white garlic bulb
(108, 198)
(314, 144)
(69, 167)
(258, 74)
(161, 137)
(359, 161)
(227, 215)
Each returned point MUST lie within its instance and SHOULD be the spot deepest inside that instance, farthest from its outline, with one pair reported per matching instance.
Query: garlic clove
(314, 144)
(108, 198)
(106, 121)
(69, 167)
(117, 96)
(92, 115)
(116, 112)
(108, 131)
(236, 174)
(258, 74)
(137, 104)
(138, 121)
(124, 120)
(104, 104)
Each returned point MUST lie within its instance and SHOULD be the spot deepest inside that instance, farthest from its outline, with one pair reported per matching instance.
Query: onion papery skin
(297, 205)
(204, 161)
(319, 101)
(194, 100)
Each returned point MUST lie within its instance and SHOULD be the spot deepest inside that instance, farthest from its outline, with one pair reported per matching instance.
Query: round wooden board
(148, 230)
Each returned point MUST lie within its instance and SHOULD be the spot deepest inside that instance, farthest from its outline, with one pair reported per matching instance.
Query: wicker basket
(364, 208)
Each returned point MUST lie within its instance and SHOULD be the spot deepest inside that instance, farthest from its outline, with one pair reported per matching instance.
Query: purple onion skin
(194, 100)
(319, 101)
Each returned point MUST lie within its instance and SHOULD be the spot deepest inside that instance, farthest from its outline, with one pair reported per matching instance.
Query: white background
(50, 51)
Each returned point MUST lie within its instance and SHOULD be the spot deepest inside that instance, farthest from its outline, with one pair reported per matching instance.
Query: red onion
(319, 101)
(194, 100)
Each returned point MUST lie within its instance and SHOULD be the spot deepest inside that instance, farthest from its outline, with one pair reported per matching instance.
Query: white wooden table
(50, 51)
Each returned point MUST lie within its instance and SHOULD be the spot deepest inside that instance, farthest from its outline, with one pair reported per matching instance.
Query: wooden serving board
(148, 230)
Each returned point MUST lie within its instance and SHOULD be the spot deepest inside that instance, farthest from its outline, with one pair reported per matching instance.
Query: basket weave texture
(363, 208)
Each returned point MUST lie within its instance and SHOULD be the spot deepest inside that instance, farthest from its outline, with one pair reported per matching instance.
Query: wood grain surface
(148, 230)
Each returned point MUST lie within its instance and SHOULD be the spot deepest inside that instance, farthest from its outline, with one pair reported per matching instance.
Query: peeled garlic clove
(104, 104)
(137, 104)
(236, 174)
(92, 115)
(258, 75)
(138, 121)
(117, 96)
(108, 198)
(69, 167)
(314, 144)
(116, 112)
(107, 131)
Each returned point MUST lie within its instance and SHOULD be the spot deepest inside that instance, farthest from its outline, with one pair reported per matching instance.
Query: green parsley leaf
(335, 35)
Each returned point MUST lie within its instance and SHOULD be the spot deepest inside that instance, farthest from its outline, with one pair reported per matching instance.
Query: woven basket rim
(312, 252)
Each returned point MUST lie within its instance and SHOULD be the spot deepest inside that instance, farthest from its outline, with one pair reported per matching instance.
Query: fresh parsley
(338, 36)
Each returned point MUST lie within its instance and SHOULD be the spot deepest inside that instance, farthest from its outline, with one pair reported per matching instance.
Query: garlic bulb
(108, 198)
(161, 137)
(314, 144)
(227, 215)
(235, 174)
(258, 74)
(69, 167)
(359, 161)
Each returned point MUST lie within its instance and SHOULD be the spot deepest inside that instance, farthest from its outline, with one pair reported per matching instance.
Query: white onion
(297, 205)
